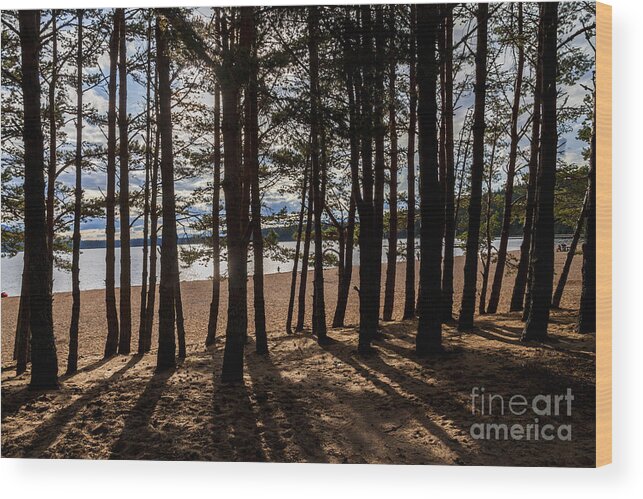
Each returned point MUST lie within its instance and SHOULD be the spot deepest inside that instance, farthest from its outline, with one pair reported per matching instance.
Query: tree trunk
(295, 266)
(560, 287)
(44, 370)
(180, 320)
(511, 173)
(146, 194)
(543, 256)
(391, 265)
(587, 316)
(252, 164)
(169, 263)
(72, 357)
(429, 336)
(370, 256)
(23, 332)
(123, 198)
(380, 135)
(53, 146)
(347, 272)
(449, 195)
(465, 158)
(409, 288)
(151, 290)
(486, 257)
(465, 321)
(216, 200)
(111, 344)
(319, 307)
(236, 212)
(350, 63)
(520, 283)
(301, 304)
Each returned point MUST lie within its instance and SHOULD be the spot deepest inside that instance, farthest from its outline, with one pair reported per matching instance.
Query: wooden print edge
(604, 234)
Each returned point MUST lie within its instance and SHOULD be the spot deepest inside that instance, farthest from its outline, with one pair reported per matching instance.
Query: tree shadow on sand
(48, 431)
(137, 423)
(285, 418)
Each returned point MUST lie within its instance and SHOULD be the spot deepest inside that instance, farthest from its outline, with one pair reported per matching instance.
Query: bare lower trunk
(543, 252)
(23, 333)
(391, 266)
(236, 212)
(169, 263)
(180, 320)
(151, 290)
(467, 308)
(213, 318)
(111, 344)
(146, 194)
(409, 289)
(252, 166)
(44, 370)
(369, 255)
(301, 304)
(379, 134)
(72, 357)
(522, 272)
(587, 315)
(501, 259)
(123, 199)
(449, 181)
(429, 335)
(53, 145)
(347, 272)
(293, 281)
(319, 308)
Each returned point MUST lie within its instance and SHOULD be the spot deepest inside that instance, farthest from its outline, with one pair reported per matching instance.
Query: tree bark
(369, 236)
(409, 288)
(301, 303)
(23, 331)
(72, 357)
(429, 336)
(146, 193)
(180, 320)
(465, 321)
(319, 306)
(111, 344)
(44, 370)
(391, 265)
(449, 181)
(252, 165)
(486, 257)
(379, 129)
(347, 269)
(169, 263)
(293, 281)
(236, 212)
(53, 143)
(543, 250)
(501, 258)
(123, 198)
(216, 200)
(520, 283)
(151, 290)
(587, 316)
(350, 63)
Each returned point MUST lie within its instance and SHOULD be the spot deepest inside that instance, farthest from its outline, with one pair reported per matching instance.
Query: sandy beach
(303, 403)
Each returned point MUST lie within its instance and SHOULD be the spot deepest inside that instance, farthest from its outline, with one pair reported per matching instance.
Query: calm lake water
(92, 268)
